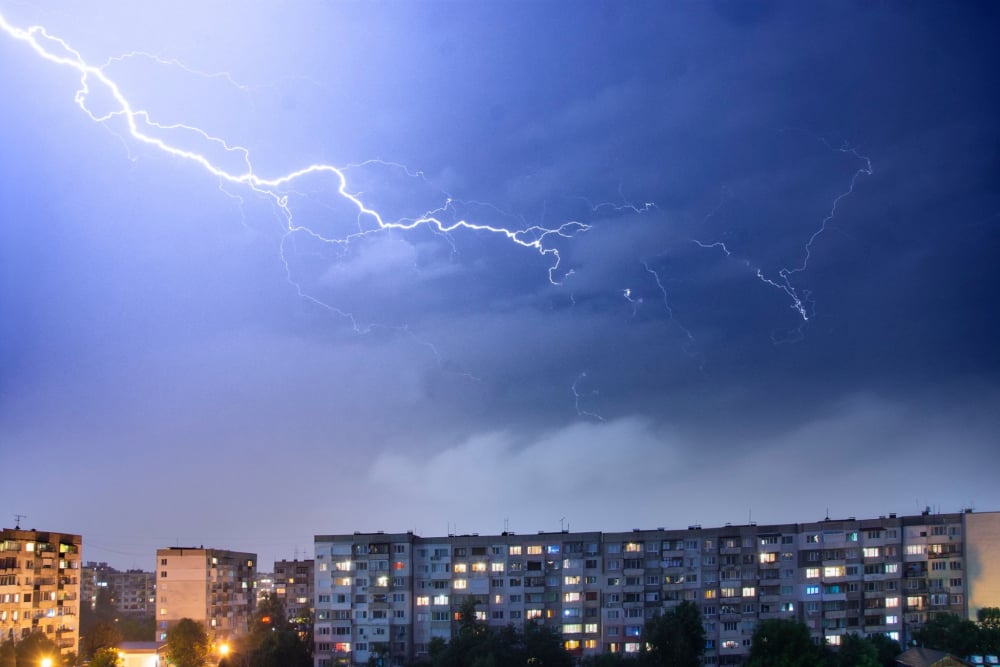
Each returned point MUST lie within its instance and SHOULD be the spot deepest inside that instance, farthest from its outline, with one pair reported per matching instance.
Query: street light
(46, 662)
(223, 651)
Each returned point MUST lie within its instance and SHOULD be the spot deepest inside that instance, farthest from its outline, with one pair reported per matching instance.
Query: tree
(474, 644)
(676, 638)
(951, 633)
(887, 649)
(105, 657)
(8, 654)
(783, 643)
(989, 629)
(273, 640)
(187, 644)
(33, 648)
(101, 635)
(855, 651)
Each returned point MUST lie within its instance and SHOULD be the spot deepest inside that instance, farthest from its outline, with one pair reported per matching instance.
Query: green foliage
(34, 647)
(477, 645)
(187, 644)
(989, 629)
(101, 635)
(105, 657)
(887, 649)
(676, 638)
(8, 654)
(609, 660)
(783, 643)
(855, 651)
(273, 640)
(951, 633)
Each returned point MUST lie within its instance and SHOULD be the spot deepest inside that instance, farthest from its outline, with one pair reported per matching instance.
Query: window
(534, 550)
(812, 573)
(514, 550)
(496, 567)
(812, 589)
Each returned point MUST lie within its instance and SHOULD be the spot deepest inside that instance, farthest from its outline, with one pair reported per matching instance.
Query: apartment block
(212, 586)
(293, 585)
(386, 596)
(40, 586)
(130, 592)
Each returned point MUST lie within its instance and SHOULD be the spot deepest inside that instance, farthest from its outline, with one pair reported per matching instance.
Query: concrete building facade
(131, 592)
(293, 585)
(212, 586)
(40, 586)
(388, 595)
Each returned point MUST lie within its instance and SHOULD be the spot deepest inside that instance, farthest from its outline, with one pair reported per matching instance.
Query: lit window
(633, 547)
(572, 628)
(812, 573)
(572, 644)
(496, 567)
(749, 591)
(710, 593)
(571, 597)
(812, 590)
(891, 602)
(423, 600)
(833, 640)
(768, 557)
(571, 580)
(532, 613)
(514, 550)
(534, 549)
(461, 567)
(440, 599)
(479, 567)
(460, 584)
(833, 571)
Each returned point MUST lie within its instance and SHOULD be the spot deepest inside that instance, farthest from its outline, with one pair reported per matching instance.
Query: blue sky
(774, 292)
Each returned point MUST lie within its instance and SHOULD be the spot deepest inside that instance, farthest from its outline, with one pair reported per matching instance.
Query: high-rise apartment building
(40, 586)
(387, 595)
(293, 585)
(212, 586)
(130, 592)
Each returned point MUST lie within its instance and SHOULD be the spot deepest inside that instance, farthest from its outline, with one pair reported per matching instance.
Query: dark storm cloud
(144, 309)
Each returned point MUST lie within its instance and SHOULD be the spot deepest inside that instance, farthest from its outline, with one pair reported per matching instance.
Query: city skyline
(453, 268)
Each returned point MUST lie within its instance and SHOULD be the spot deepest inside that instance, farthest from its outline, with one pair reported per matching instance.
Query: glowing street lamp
(46, 662)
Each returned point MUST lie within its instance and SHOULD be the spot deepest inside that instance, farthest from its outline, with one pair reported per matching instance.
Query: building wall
(212, 586)
(293, 585)
(40, 586)
(982, 560)
(133, 592)
(389, 595)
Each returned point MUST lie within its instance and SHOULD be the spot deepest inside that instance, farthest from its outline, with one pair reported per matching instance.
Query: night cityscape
(466, 333)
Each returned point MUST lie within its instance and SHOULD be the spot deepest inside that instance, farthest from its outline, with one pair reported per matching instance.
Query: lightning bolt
(169, 138)
(800, 298)
(580, 412)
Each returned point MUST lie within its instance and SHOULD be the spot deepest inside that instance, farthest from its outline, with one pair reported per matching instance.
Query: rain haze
(593, 265)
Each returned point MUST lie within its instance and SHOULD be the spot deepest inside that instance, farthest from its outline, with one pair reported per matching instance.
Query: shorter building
(130, 592)
(40, 586)
(212, 586)
(264, 582)
(142, 654)
(293, 585)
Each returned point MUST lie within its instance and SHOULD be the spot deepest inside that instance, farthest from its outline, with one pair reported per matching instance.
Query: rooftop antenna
(561, 522)
(506, 524)
(17, 520)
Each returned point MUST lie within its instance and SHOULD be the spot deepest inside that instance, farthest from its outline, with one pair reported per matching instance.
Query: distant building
(131, 592)
(264, 582)
(386, 596)
(212, 586)
(293, 585)
(40, 586)
(928, 657)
